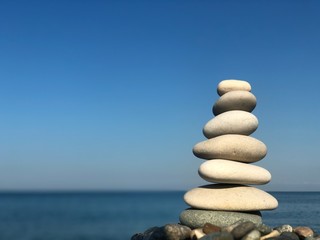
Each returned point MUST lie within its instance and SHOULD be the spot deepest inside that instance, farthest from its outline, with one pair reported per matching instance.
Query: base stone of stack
(195, 218)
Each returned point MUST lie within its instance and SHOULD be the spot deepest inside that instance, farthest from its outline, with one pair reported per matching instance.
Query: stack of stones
(229, 151)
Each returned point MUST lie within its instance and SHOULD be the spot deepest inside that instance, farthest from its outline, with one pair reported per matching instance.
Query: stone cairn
(228, 151)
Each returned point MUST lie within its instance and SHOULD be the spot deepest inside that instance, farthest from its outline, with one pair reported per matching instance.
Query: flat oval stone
(232, 85)
(230, 197)
(196, 218)
(224, 171)
(235, 100)
(231, 122)
(231, 147)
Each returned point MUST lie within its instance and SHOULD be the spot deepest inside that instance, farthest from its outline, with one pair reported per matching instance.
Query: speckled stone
(195, 218)
(231, 122)
(231, 147)
(253, 235)
(235, 100)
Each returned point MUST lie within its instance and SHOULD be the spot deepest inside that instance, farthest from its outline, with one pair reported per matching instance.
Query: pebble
(233, 226)
(224, 171)
(231, 122)
(210, 228)
(230, 197)
(176, 232)
(289, 236)
(231, 147)
(241, 230)
(253, 235)
(218, 236)
(235, 100)
(284, 228)
(232, 85)
(197, 234)
(264, 229)
(196, 218)
(274, 233)
(303, 232)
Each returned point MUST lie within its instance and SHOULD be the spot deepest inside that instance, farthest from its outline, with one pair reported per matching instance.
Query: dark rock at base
(176, 232)
(196, 218)
(137, 236)
(289, 236)
(210, 228)
(218, 236)
(253, 235)
(241, 230)
(264, 229)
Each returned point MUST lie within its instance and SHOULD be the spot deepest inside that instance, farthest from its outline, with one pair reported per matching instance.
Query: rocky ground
(241, 230)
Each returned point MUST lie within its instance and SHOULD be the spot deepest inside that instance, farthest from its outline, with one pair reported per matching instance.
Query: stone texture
(176, 232)
(264, 229)
(303, 232)
(232, 85)
(230, 197)
(235, 100)
(210, 228)
(231, 147)
(232, 226)
(253, 235)
(224, 171)
(195, 218)
(241, 230)
(218, 236)
(231, 122)
(284, 228)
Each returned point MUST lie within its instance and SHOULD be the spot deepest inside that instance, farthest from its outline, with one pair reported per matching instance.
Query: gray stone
(195, 218)
(253, 235)
(218, 236)
(235, 100)
(289, 236)
(264, 229)
(229, 228)
(243, 229)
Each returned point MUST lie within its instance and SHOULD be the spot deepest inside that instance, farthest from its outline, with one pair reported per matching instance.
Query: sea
(118, 215)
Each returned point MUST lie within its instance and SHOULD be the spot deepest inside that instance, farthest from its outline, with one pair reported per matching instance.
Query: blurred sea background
(118, 215)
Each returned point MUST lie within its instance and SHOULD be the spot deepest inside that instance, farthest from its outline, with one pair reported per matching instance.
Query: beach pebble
(197, 234)
(196, 218)
(224, 171)
(284, 228)
(303, 232)
(231, 147)
(210, 228)
(176, 232)
(231, 122)
(264, 229)
(230, 227)
(235, 100)
(241, 230)
(253, 235)
(230, 197)
(218, 236)
(289, 236)
(232, 85)
(274, 233)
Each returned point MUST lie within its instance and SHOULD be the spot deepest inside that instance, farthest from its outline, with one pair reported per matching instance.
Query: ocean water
(118, 215)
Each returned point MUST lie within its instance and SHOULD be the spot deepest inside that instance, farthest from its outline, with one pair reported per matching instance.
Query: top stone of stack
(233, 85)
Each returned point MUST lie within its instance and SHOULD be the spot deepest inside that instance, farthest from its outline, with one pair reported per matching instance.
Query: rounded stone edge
(196, 218)
(229, 85)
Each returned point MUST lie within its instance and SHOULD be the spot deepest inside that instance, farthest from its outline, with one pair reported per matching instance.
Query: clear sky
(113, 95)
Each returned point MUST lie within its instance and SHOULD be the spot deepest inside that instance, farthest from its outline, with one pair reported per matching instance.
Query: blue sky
(113, 95)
